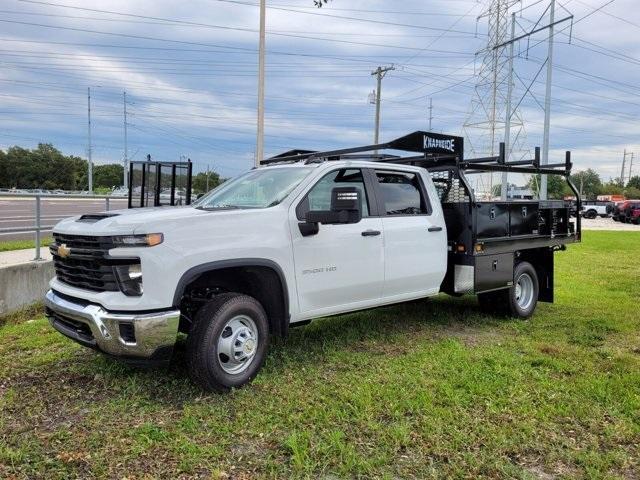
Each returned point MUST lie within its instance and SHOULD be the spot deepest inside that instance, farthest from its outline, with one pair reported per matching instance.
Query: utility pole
(125, 177)
(624, 165)
(207, 178)
(547, 101)
(380, 73)
(260, 139)
(430, 112)
(507, 121)
(89, 152)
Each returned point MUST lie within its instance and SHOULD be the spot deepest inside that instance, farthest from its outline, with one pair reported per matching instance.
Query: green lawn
(427, 389)
(22, 244)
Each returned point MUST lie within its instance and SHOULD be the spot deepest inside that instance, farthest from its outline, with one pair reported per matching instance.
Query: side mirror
(346, 208)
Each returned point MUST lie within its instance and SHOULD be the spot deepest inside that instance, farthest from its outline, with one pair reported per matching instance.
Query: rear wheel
(518, 301)
(228, 342)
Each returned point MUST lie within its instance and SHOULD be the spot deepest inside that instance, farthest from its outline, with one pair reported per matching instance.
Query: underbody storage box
(493, 272)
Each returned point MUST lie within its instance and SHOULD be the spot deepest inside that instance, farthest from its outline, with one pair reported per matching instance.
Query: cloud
(191, 96)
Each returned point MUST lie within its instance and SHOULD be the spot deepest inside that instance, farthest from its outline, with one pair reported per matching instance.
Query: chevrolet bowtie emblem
(64, 251)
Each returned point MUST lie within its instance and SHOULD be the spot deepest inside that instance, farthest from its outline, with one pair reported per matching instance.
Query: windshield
(255, 189)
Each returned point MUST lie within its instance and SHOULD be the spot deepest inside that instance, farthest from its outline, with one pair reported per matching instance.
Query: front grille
(87, 266)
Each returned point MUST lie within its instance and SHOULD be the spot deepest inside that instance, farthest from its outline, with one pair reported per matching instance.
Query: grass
(22, 244)
(429, 389)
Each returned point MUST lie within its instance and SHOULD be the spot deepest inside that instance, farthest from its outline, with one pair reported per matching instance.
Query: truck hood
(136, 220)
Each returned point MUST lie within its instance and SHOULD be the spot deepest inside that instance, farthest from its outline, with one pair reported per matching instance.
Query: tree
(588, 182)
(557, 187)
(108, 176)
(632, 193)
(46, 167)
(199, 182)
(612, 187)
(634, 182)
(42, 167)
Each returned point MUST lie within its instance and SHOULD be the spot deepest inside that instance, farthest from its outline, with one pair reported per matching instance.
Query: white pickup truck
(305, 236)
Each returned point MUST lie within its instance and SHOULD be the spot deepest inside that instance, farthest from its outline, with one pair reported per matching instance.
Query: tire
(215, 363)
(590, 214)
(519, 301)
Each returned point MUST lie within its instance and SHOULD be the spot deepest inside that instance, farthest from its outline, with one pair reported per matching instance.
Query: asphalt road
(20, 212)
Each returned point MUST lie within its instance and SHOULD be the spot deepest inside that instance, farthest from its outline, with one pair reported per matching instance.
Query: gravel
(608, 224)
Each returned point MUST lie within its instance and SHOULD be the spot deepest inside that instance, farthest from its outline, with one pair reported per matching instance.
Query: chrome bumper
(128, 335)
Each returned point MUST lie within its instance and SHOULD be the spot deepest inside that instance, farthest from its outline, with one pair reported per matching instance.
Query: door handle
(371, 233)
(435, 229)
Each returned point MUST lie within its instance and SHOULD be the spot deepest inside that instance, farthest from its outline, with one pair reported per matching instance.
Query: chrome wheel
(237, 344)
(524, 291)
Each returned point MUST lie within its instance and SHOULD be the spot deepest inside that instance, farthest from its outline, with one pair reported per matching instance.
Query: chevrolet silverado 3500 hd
(306, 235)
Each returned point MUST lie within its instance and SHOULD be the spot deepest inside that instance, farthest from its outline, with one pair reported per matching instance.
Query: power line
(159, 39)
(185, 22)
(448, 30)
(356, 19)
(601, 10)
(368, 59)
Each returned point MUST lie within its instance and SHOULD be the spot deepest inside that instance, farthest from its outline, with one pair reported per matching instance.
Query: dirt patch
(474, 337)
(468, 336)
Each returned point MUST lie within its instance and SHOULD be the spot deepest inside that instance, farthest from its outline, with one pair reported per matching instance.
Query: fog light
(130, 279)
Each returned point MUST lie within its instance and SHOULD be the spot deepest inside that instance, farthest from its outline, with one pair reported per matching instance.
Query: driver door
(340, 268)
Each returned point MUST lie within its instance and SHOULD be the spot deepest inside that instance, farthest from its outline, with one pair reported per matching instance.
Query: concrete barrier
(23, 284)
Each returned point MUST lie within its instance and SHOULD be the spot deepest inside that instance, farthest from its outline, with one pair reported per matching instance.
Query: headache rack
(477, 230)
(435, 151)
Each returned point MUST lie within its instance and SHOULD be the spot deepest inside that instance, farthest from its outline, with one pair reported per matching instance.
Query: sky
(189, 70)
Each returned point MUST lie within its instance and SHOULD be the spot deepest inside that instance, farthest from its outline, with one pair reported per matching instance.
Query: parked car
(630, 212)
(179, 196)
(621, 211)
(634, 213)
(304, 236)
(120, 192)
(597, 209)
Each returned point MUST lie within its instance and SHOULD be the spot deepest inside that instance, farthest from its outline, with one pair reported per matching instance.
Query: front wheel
(228, 342)
(519, 301)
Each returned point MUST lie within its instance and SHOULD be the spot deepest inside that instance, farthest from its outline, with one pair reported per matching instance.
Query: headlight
(147, 240)
(129, 279)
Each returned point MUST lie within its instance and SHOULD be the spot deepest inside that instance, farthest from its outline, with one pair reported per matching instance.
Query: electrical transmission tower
(484, 127)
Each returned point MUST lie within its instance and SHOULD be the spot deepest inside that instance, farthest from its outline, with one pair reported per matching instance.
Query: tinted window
(401, 193)
(319, 198)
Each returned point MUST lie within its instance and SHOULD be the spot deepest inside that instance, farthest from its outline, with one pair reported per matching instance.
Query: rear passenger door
(415, 240)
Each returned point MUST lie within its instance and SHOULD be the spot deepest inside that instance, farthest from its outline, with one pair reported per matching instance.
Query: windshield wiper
(218, 207)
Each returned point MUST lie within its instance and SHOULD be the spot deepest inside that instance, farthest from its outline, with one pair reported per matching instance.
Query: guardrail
(38, 228)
